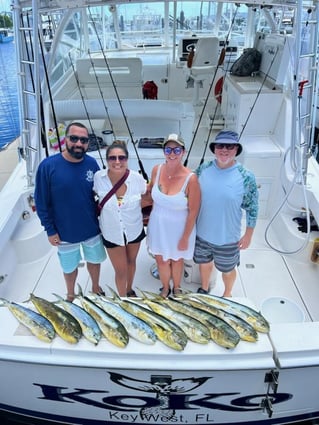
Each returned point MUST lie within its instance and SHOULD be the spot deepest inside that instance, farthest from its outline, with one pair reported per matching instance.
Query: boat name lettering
(126, 402)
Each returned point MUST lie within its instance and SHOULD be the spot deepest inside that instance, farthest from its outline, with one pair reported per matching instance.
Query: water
(9, 111)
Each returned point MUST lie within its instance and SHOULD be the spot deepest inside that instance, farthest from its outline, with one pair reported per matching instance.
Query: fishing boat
(6, 35)
(101, 53)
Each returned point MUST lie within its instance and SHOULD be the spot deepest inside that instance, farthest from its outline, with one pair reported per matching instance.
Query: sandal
(177, 292)
(165, 292)
(131, 293)
(202, 291)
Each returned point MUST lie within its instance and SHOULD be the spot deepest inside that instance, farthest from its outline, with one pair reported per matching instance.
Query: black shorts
(109, 244)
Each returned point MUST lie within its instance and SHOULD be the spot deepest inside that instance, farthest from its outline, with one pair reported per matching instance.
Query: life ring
(219, 89)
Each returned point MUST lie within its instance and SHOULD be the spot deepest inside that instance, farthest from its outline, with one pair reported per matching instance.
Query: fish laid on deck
(166, 331)
(250, 315)
(35, 322)
(244, 329)
(136, 328)
(193, 328)
(111, 328)
(89, 326)
(65, 325)
(220, 331)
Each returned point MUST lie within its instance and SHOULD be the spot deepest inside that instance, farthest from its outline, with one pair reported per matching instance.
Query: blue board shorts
(70, 254)
(225, 257)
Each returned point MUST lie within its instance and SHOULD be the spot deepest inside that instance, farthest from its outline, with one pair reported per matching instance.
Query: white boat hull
(96, 395)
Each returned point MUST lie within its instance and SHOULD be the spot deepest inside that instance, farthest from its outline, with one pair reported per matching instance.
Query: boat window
(150, 26)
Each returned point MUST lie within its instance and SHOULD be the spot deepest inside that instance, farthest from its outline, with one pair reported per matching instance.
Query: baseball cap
(174, 138)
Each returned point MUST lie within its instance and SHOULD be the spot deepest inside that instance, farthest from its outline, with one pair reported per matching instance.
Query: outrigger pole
(85, 108)
(119, 100)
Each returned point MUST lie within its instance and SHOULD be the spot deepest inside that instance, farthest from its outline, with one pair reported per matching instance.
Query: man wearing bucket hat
(227, 189)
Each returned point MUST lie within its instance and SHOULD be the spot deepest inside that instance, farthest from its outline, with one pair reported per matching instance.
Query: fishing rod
(56, 126)
(119, 100)
(220, 62)
(217, 95)
(85, 108)
(101, 93)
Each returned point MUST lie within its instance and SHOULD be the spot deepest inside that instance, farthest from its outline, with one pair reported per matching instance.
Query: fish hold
(35, 322)
(89, 326)
(65, 325)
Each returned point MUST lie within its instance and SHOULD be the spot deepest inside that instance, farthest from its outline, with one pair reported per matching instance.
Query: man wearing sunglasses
(227, 189)
(65, 205)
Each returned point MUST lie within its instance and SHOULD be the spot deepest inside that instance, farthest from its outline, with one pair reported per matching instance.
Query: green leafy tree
(5, 21)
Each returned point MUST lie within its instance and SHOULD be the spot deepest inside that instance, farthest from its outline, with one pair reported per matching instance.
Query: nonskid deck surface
(262, 274)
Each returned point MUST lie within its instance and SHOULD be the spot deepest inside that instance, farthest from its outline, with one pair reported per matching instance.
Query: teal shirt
(225, 194)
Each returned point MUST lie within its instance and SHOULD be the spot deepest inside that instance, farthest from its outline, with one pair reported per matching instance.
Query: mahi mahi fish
(244, 329)
(193, 328)
(35, 322)
(220, 331)
(253, 317)
(166, 331)
(112, 329)
(65, 325)
(89, 326)
(136, 328)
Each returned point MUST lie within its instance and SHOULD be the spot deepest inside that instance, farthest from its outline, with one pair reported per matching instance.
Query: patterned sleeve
(250, 199)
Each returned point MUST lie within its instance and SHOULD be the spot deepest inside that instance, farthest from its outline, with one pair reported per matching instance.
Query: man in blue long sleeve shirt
(65, 205)
(227, 189)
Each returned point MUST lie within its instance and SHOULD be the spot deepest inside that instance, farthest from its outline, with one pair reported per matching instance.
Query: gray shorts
(225, 257)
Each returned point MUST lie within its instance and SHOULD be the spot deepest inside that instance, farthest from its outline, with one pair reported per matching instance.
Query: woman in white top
(121, 219)
(171, 228)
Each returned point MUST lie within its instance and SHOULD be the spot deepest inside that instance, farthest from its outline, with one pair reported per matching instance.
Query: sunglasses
(177, 150)
(228, 146)
(121, 158)
(74, 139)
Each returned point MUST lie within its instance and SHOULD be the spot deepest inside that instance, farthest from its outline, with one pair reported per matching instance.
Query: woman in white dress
(171, 228)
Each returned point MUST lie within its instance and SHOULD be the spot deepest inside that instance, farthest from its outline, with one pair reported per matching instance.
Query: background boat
(6, 35)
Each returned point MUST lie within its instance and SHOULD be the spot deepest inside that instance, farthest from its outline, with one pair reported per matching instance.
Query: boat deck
(262, 274)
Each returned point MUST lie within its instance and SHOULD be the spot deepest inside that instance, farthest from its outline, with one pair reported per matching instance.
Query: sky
(5, 5)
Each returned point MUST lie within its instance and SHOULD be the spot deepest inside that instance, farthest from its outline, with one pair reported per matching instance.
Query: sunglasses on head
(177, 150)
(74, 139)
(121, 158)
(228, 146)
